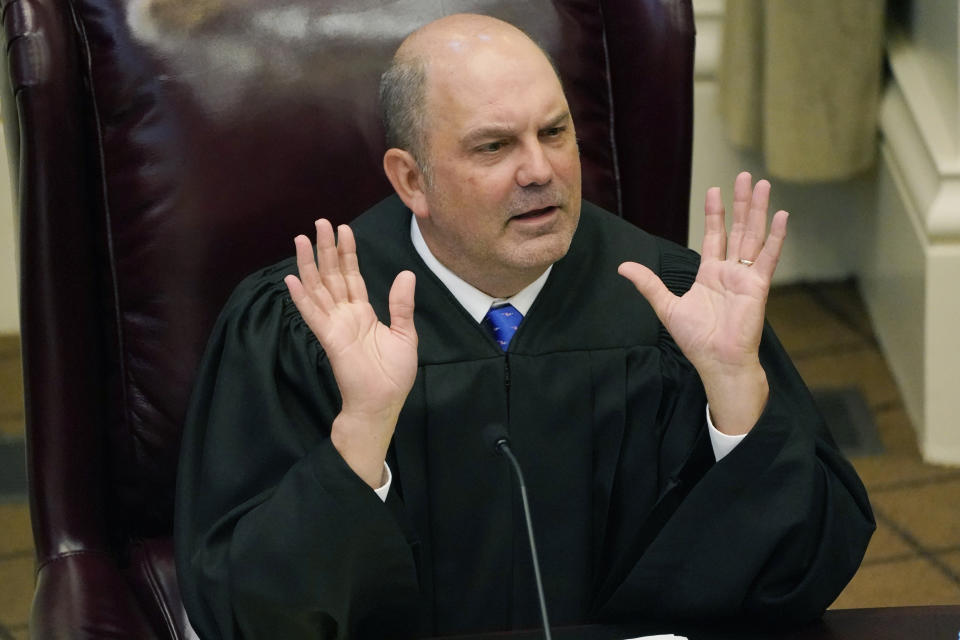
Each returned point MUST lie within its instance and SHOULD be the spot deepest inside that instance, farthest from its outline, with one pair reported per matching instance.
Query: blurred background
(852, 110)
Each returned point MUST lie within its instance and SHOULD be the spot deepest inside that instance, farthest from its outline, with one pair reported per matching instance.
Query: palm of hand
(374, 365)
(719, 320)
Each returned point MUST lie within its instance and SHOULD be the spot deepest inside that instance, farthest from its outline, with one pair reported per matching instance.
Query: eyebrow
(496, 131)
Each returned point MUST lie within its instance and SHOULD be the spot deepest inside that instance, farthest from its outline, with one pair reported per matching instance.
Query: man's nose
(535, 167)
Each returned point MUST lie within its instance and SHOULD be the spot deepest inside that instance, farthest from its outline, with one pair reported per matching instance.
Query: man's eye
(491, 147)
(553, 132)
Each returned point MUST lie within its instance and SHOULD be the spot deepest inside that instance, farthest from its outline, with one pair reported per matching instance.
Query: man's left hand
(718, 322)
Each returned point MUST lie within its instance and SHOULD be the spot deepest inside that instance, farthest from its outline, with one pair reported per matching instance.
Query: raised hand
(374, 365)
(718, 323)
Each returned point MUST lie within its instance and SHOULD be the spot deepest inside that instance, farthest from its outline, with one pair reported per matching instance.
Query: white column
(910, 269)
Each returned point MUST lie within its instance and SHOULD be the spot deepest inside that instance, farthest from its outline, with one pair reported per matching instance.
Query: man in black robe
(334, 481)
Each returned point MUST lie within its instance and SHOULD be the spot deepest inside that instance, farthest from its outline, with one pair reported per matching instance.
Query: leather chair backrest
(163, 149)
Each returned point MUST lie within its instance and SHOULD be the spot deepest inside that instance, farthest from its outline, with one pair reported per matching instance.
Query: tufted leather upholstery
(162, 149)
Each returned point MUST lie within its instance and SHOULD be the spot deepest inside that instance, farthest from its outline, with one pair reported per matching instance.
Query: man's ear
(407, 179)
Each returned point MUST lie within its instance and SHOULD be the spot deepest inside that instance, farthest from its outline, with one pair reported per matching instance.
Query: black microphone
(495, 436)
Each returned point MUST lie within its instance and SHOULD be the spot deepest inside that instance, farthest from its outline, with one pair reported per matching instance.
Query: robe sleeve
(773, 531)
(275, 535)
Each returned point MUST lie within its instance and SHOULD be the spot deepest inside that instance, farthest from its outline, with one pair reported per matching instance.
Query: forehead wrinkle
(446, 100)
(487, 131)
(552, 122)
(497, 130)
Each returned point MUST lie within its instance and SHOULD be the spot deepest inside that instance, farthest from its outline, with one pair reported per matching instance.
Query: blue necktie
(502, 322)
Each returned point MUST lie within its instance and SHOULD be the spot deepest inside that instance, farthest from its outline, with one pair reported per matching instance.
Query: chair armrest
(83, 595)
(152, 575)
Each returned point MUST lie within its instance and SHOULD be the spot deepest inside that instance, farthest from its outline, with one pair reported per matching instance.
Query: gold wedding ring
(746, 263)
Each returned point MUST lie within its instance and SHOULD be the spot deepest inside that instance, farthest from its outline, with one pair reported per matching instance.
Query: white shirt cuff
(387, 479)
(722, 443)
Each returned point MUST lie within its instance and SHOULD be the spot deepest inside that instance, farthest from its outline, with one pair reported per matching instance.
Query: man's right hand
(374, 365)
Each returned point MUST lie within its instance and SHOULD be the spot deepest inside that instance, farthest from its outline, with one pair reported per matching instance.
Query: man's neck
(472, 298)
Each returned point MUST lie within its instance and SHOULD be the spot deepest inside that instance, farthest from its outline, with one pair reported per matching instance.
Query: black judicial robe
(277, 538)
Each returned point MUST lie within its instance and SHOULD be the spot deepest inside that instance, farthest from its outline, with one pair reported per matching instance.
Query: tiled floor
(914, 558)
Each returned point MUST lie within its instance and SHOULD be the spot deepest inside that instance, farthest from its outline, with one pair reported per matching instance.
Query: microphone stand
(503, 446)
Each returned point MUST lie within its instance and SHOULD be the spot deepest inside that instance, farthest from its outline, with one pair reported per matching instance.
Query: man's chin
(541, 251)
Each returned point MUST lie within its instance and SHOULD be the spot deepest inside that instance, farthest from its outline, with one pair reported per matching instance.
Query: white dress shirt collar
(476, 302)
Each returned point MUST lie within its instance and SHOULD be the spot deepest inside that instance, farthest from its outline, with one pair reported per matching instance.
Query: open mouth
(536, 214)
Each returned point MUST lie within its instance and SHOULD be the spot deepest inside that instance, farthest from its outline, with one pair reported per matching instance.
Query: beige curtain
(800, 80)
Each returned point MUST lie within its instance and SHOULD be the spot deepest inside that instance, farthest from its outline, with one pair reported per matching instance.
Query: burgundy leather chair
(161, 150)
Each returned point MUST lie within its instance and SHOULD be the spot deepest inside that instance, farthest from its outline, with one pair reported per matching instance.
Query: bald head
(431, 54)
(462, 34)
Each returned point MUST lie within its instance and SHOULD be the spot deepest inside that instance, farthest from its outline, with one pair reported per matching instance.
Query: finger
(307, 307)
(766, 262)
(295, 287)
(741, 208)
(329, 262)
(756, 227)
(401, 304)
(714, 233)
(309, 276)
(349, 266)
(650, 287)
(306, 263)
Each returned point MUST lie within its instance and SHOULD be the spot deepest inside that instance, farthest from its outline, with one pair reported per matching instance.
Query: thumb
(401, 303)
(650, 287)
